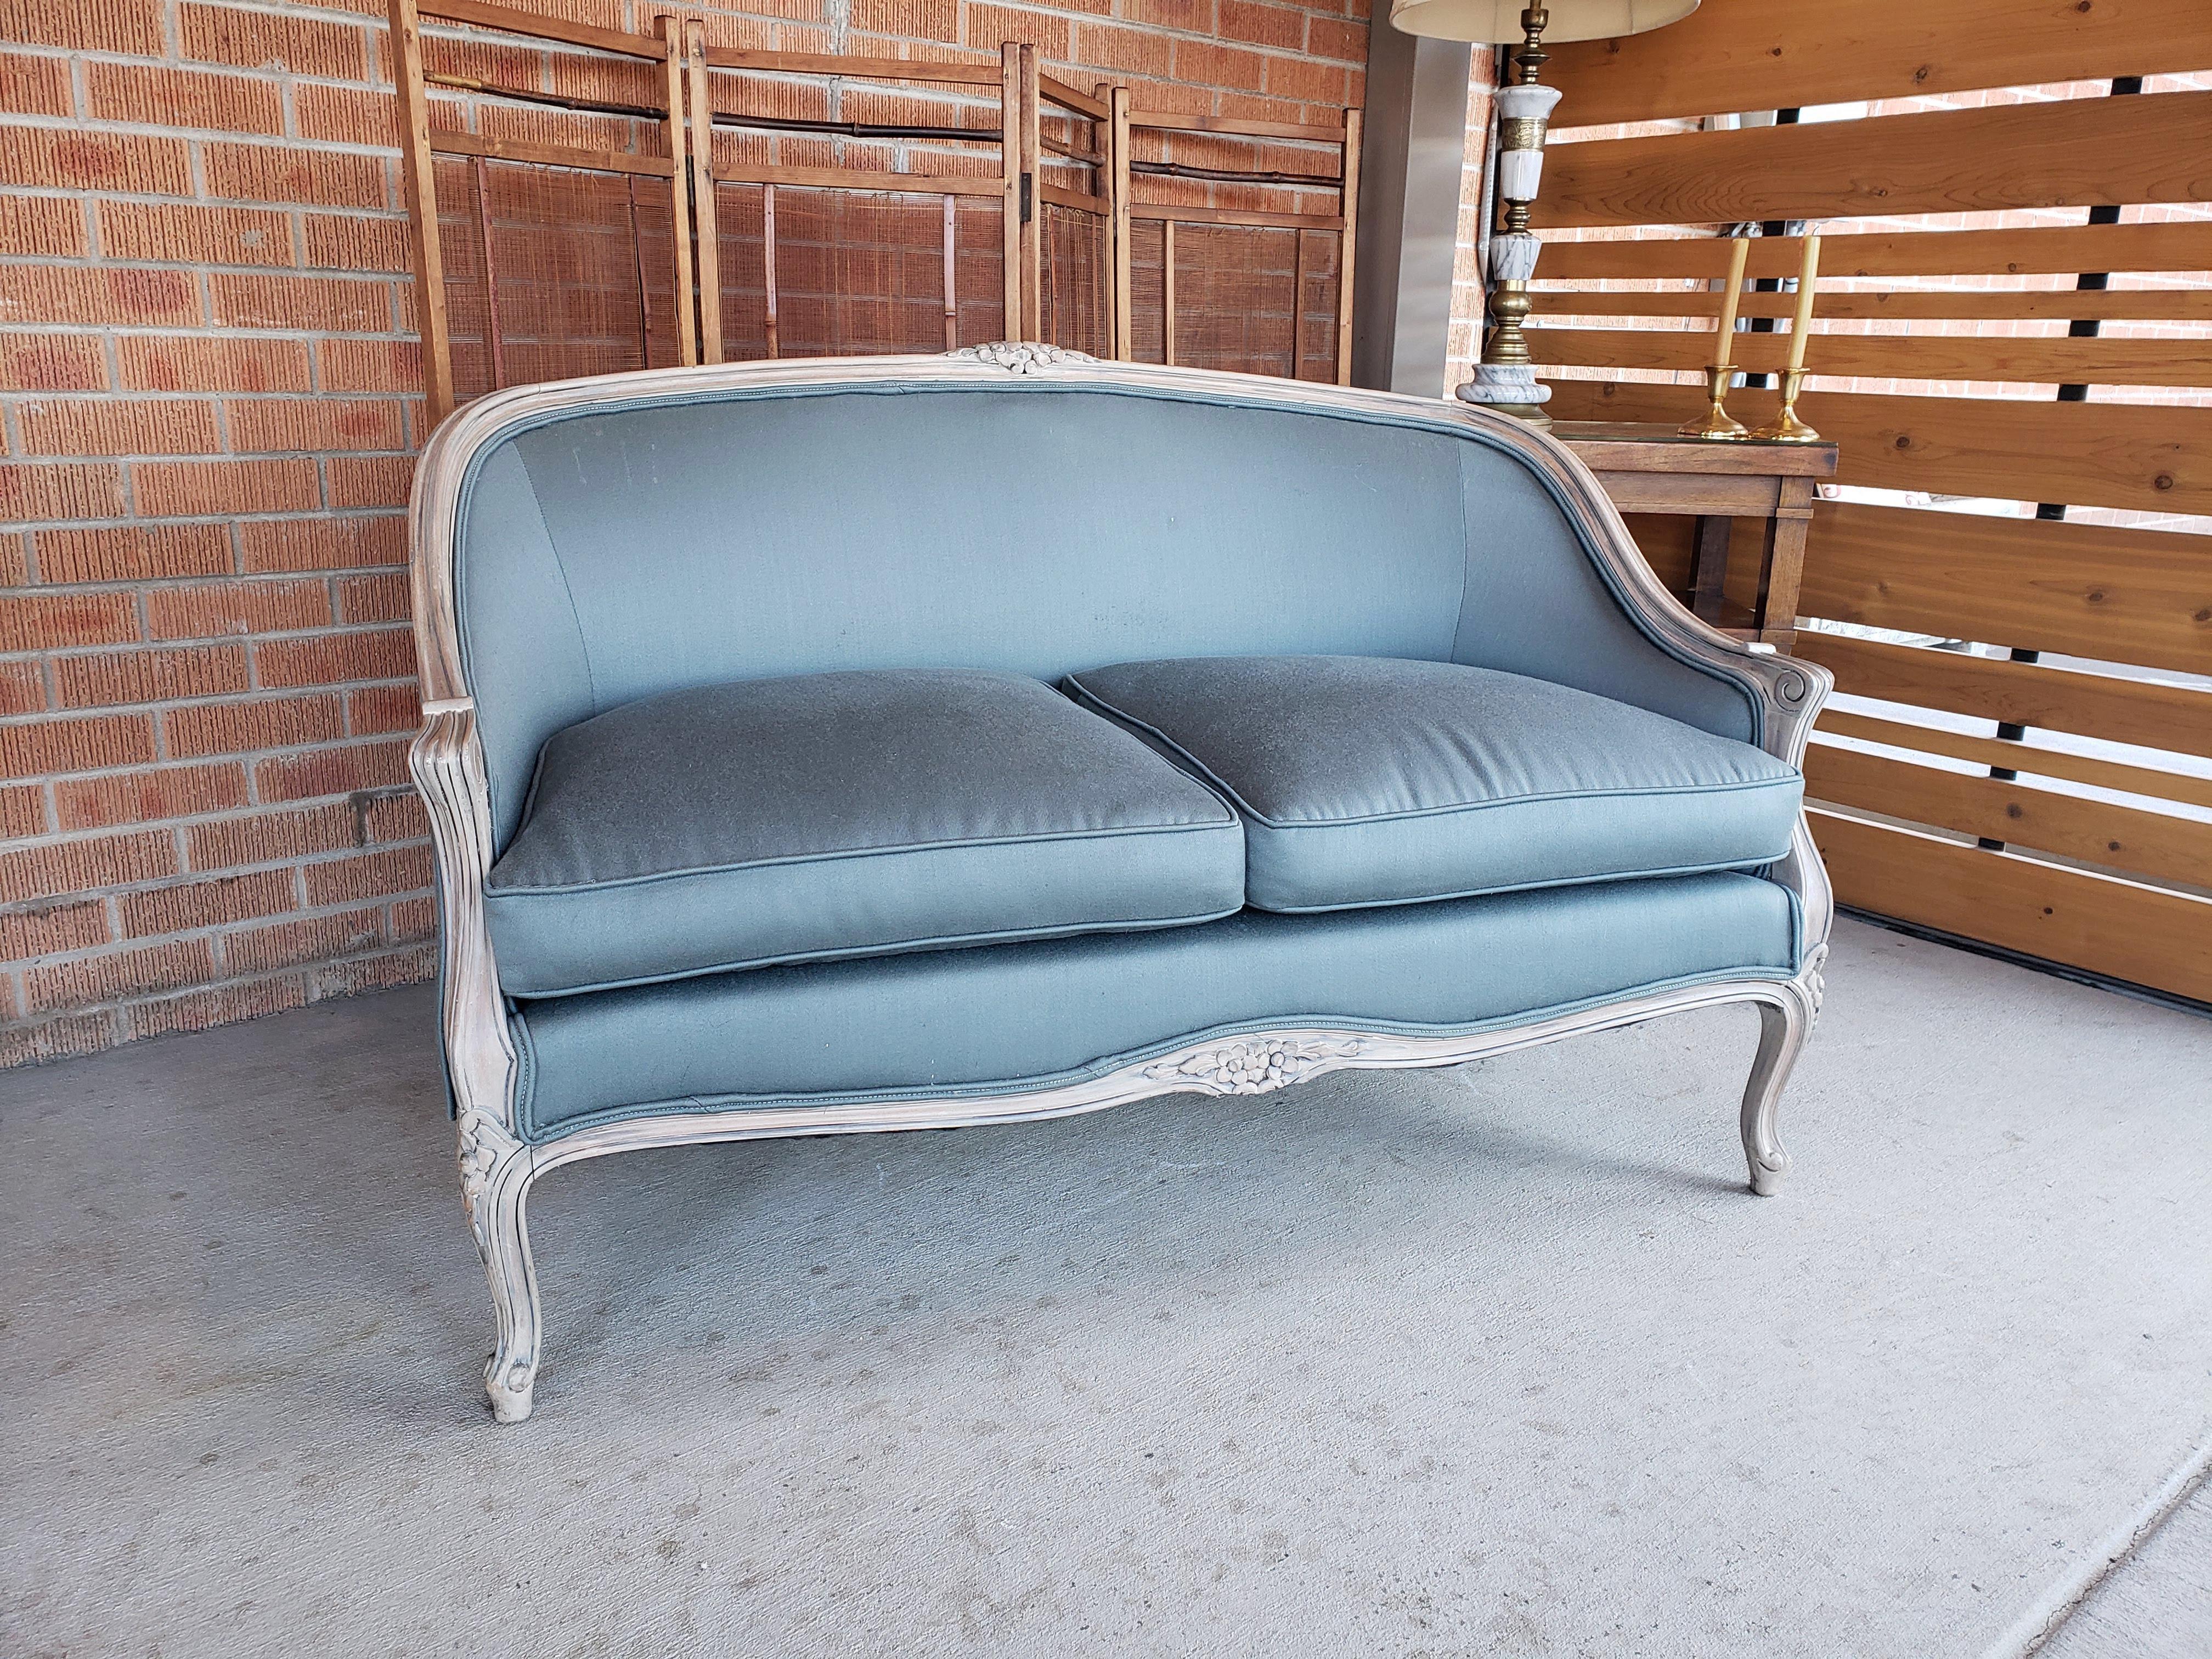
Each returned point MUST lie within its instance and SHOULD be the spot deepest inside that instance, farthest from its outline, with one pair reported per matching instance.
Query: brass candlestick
(1786, 428)
(1716, 422)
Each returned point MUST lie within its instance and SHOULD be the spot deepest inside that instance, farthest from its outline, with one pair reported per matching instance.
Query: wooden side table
(1648, 468)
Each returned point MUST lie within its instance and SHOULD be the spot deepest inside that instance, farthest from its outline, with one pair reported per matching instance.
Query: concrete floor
(1497, 1360)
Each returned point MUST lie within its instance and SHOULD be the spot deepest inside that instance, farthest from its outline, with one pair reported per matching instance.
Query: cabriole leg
(1782, 1028)
(495, 1175)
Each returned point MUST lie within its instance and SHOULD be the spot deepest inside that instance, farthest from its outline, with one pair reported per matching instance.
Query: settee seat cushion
(1374, 780)
(844, 814)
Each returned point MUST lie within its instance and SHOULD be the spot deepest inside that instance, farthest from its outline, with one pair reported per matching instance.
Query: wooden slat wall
(2131, 607)
(1781, 54)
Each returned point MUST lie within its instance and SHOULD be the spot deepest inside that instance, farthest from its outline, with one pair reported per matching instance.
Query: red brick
(222, 1005)
(48, 226)
(172, 791)
(320, 424)
(312, 939)
(35, 86)
(184, 233)
(52, 362)
(191, 905)
(116, 26)
(376, 973)
(78, 293)
(336, 305)
(382, 654)
(59, 1038)
(324, 543)
(55, 868)
(60, 491)
(119, 973)
(22, 689)
(49, 930)
(253, 40)
(1327, 38)
(397, 816)
(354, 242)
(184, 362)
(118, 426)
(210, 609)
(203, 489)
(288, 173)
(1219, 66)
(1110, 48)
(129, 553)
(1188, 17)
(414, 918)
(243, 728)
(336, 771)
(912, 19)
(270, 837)
(185, 98)
(55, 158)
(23, 812)
(119, 677)
(1261, 26)
(87, 743)
(371, 482)
(43, 622)
(1298, 77)
(349, 115)
(989, 26)
(381, 708)
(373, 598)
(370, 365)
(370, 876)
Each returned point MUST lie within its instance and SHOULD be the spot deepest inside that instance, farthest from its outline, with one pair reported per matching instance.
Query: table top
(1641, 446)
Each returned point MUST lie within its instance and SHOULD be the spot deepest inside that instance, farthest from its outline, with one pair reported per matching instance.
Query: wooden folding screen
(1226, 265)
(548, 198)
(2024, 335)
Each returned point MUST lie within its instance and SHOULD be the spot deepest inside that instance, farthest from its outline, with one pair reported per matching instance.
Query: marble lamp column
(1505, 378)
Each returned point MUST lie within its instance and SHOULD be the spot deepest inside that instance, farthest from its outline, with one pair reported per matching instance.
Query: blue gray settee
(899, 743)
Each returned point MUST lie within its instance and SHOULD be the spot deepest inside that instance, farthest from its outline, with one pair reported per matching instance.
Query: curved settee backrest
(653, 533)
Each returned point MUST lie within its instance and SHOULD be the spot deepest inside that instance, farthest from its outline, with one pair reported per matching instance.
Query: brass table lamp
(1504, 379)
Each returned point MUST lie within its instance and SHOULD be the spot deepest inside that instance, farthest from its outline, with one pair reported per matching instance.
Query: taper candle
(1731, 301)
(1803, 322)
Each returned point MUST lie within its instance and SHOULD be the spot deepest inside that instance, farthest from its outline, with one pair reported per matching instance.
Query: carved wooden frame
(498, 1167)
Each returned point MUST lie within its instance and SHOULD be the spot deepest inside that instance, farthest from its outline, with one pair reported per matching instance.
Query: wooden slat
(1347, 249)
(1781, 54)
(1205, 215)
(1068, 98)
(2031, 758)
(2101, 923)
(1167, 121)
(2179, 305)
(1117, 139)
(1074, 200)
(2171, 717)
(2133, 596)
(550, 156)
(2155, 457)
(2154, 844)
(478, 14)
(2076, 152)
(2056, 250)
(703, 195)
(415, 153)
(858, 69)
(2053, 361)
(916, 184)
(684, 299)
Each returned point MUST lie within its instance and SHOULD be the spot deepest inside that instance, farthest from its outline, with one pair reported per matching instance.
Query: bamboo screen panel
(552, 272)
(1076, 287)
(2012, 579)
(857, 274)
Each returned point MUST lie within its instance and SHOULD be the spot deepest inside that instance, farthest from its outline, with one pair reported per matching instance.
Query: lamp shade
(1500, 20)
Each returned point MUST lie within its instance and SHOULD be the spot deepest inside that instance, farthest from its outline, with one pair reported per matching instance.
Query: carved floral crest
(1256, 1066)
(1020, 356)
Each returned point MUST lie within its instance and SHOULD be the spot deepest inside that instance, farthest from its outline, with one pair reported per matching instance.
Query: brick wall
(207, 413)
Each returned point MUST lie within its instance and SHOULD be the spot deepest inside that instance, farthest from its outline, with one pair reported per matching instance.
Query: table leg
(1708, 567)
(1781, 566)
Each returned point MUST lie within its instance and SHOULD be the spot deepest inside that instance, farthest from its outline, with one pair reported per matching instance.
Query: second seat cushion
(1371, 780)
(845, 814)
